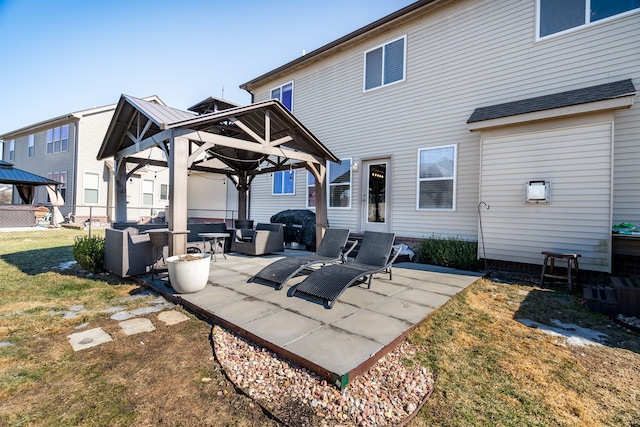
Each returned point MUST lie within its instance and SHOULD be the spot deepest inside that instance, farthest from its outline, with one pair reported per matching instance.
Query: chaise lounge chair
(376, 254)
(331, 249)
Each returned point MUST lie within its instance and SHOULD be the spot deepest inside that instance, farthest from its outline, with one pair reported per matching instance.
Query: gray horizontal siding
(577, 161)
(464, 55)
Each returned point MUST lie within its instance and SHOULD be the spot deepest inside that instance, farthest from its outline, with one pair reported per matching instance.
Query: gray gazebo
(239, 142)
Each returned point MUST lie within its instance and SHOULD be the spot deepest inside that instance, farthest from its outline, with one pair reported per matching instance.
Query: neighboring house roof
(569, 98)
(11, 175)
(379, 25)
(77, 115)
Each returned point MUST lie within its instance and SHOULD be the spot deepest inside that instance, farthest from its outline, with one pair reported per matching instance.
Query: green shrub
(451, 252)
(89, 252)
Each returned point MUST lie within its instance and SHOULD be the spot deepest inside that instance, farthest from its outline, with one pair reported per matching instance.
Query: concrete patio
(338, 343)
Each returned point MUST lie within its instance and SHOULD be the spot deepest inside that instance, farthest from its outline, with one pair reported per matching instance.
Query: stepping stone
(172, 317)
(136, 326)
(89, 338)
(146, 310)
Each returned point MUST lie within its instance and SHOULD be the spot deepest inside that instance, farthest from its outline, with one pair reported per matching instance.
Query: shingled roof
(557, 100)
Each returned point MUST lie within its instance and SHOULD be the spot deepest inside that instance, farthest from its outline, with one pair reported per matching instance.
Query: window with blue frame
(284, 94)
(284, 182)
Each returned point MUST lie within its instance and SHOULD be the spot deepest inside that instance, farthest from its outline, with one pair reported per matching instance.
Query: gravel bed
(390, 393)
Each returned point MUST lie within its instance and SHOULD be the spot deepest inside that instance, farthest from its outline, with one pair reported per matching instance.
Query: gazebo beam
(241, 144)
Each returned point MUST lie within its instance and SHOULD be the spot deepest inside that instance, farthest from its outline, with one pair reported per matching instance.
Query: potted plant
(189, 273)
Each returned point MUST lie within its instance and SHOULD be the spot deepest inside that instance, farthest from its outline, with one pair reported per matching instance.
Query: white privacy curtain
(56, 201)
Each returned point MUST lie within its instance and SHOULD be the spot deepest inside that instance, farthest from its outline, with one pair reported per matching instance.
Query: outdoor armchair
(127, 253)
(266, 238)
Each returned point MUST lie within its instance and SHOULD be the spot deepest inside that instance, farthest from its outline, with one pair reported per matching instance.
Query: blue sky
(66, 55)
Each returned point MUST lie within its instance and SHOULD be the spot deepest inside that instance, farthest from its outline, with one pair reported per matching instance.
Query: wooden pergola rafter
(240, 142)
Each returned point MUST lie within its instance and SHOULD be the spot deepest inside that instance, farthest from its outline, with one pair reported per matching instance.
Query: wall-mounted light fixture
(354, 166)
(536, 192)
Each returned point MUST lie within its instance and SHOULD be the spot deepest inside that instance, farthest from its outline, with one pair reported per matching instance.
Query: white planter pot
(189, 276)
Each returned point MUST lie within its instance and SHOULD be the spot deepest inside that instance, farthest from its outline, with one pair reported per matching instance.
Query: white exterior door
(375, 198)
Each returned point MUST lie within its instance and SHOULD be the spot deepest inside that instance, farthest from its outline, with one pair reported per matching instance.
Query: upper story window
(555, 16)
(58, 139)
(385, 64)
(12, 150)
(284, 94)
(340, 184)
(164, 191)
(31, 146)
(284, 182)
(437, 178)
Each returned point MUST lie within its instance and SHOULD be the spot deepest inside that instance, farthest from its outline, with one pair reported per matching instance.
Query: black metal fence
(27, 219)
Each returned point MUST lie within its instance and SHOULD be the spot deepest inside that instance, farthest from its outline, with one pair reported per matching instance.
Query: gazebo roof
(12, 175)
(243, 139)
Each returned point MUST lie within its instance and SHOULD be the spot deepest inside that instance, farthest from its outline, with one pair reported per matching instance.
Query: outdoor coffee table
(215, 240)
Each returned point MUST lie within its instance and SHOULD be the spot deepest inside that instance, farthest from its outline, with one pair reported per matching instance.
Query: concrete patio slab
(283, 327)
(375, 326)
(337, 343)
(246, 310)
(401, 309)
(334, 349)
(429, 299)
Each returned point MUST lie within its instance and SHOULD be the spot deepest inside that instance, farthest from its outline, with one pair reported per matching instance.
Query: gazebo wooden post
(178, 171)
(120, 177)
(319, 171)
(243, 187)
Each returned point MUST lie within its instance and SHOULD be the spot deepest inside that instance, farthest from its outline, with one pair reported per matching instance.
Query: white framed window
(284, 183)
(58, 139)
(437, 178)
(311, 191)
(555, 16)
(12, 150)
(284, 94)
(164, 191)
(339, 184)
(147, 192)
(91, 185)
(384, 65)
(31, 146)
(61, 177)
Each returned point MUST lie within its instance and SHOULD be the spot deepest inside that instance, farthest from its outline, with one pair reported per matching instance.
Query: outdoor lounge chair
(331, 249)
(376, 254)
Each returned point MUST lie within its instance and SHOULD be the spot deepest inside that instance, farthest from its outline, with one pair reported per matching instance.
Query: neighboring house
(64, 149)
(525, 105)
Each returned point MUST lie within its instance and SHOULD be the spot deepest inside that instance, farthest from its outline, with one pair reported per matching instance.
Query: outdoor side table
(215, 240)
(159, 238)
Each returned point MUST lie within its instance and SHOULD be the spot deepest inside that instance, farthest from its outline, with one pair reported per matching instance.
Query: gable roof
(11, 175)
(314, 55)
(568, 98)
(261, 130)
